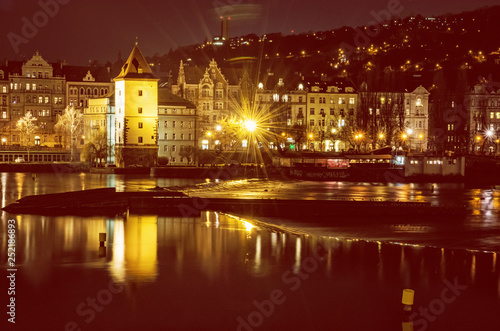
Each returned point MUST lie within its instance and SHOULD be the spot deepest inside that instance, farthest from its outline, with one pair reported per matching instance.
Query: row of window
(36, 99)
(35, 113)
(340, 101)
(173, 148)
(312, 122)
(31, 87)
(495, 115)
(173, 124)
(217, 106)
(342, 113)
(94, 92)
(486, 103)
(101, 109)
(206, 118)
(182, 136)
(38, 74)
(205, 93)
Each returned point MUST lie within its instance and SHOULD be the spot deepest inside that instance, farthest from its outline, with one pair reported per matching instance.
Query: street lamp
(421, 139)
(358, 139)
(250, 125)
(381, 138)
(478, 141)
(322, 128)
(404, 136)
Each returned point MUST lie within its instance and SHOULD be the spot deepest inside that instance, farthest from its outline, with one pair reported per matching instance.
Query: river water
(221, 272)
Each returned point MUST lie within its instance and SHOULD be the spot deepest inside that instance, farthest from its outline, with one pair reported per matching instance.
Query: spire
(136, 66)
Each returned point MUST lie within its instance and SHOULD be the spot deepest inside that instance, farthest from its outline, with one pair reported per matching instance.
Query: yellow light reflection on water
(298, 253)
(118, 261)
(248, 226)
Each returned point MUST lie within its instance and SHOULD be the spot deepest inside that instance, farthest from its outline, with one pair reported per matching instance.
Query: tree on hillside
(27, 127)
(69, 124)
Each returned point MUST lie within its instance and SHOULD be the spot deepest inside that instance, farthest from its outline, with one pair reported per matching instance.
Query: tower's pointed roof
(136, 66)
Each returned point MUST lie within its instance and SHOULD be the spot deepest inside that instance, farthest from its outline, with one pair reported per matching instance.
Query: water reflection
(232, 260)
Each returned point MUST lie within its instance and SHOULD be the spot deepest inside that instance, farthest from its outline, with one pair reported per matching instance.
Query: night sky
(98, 29)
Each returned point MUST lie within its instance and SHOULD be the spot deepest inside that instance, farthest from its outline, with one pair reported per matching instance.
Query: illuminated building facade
(31, 87)
(177, 132)
(482, 105)
(99, 129)
(136, 105)
(210, 91)
(396, 118)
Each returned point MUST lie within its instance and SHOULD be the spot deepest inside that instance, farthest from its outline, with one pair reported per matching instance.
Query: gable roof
(167, 98)
(136, 66)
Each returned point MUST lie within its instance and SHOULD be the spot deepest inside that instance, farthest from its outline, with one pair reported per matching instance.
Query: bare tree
(27, 127)
(69, 124)
(98, 148)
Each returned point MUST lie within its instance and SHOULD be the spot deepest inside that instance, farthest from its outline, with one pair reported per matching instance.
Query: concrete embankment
(163, 202)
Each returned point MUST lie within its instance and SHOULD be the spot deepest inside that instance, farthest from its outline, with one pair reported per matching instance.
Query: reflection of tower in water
(135, 249)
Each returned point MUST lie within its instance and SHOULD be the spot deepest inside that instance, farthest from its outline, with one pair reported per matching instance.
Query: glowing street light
(489, 133)
(250, 125)
(218, 128)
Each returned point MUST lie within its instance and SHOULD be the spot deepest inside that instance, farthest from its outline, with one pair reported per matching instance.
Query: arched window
(82, 91)
(89, 92)
(205, 91)
(96, 93)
